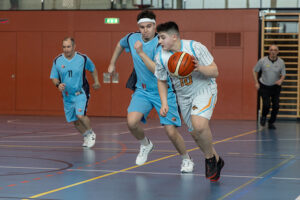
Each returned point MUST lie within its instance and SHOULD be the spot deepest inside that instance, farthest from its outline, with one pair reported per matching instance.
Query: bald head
(273, 52)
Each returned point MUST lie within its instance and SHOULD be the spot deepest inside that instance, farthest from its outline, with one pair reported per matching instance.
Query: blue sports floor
(42, 158)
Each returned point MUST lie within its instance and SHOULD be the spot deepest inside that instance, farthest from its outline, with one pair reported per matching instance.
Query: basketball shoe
(220, 165)
(89, 139)
(211, 167)
(187, 166)
(144, 152)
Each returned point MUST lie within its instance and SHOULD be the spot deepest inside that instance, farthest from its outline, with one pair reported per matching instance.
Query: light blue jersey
(146, 96)
(145, 78)
(72, 74)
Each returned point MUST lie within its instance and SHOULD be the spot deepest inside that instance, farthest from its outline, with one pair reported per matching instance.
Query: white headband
(146, 20)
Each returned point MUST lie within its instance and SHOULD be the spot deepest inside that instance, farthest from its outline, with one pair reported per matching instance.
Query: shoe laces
(185, 162)
(211, 162)
(143, 150)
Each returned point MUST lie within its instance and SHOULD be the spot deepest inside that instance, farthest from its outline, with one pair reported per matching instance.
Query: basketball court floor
(42, 158)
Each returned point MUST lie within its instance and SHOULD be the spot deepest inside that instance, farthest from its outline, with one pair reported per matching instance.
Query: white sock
(145, 141)
(185, 156)
(87, 132)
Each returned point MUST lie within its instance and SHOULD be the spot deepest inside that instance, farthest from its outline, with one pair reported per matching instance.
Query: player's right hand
(138, 46)
(111, 68)
(164, 110)
(257, 85)
(61, 87)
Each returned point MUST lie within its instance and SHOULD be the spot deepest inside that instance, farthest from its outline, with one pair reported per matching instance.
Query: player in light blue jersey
(68, 75)
(196, 93)
(142, 46)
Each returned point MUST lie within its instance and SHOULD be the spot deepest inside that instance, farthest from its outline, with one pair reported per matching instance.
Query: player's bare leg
(134, 125)
(133, 122)
(85, 121)
(203, 137)
(176, 139)
(187, 165)
(89, 135)
(79, 126)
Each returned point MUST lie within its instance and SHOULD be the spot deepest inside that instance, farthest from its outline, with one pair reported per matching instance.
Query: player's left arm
(150, 64)
(92, 69)
(282, 75)
(204, 63)
(96, 84)
(210, 71)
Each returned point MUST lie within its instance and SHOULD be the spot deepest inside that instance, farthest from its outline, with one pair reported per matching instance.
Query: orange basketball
(181, 64)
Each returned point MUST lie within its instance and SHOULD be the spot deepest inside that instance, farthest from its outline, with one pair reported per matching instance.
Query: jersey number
(70, 73)
(186, 81)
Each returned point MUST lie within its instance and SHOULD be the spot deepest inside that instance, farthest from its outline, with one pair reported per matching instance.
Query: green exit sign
(111, 20)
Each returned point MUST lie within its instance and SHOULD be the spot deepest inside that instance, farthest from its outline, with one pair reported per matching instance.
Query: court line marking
(80, 148)
(145, 129)
(223, 175)
(132, 142)
(286, 178)
(64, 134)
(298, 198)
(22, 122)
(254, 179)
(175, 174)
(133, 167)
(122, 151)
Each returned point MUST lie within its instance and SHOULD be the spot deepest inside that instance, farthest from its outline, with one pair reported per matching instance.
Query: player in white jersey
(197, 93)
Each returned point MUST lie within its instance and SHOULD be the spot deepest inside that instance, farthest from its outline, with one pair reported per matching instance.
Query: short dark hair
(69, 38)
(168, 27)
(146, 14)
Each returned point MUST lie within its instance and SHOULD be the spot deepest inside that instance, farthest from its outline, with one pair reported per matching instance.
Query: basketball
(181, 64)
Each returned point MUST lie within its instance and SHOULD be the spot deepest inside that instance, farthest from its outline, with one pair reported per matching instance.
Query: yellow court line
(133, 167)
(260, 175)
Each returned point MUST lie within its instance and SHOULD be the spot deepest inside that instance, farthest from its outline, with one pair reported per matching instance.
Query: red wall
(32, 39)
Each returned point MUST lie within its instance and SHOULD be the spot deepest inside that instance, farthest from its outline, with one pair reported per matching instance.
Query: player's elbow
(216, 74)
(214, 71)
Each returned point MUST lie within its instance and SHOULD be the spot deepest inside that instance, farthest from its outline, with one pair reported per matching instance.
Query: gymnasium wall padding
(32, 39)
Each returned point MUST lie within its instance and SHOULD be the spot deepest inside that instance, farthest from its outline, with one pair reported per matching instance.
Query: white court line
(78, 141)
(51, 123)
(49, 132)
(268, 140)
(123, 141)
(145, 129)
(145, 172)
(298, 198)
(14, 131)
(44, 136)
(125, 172)
(292, 179)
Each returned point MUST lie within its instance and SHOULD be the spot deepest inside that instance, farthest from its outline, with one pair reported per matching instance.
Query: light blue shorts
(143, 102)
(75, 105)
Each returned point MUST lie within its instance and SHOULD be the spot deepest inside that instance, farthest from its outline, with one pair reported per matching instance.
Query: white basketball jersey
(194, 84)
